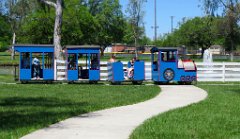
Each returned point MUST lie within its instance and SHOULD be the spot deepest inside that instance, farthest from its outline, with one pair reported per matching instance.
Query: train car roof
(34, 48)
(33, 45)
(157, 49)
(82, 46)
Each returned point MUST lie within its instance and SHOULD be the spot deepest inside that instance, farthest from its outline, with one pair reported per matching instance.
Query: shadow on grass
(36, 112)
(233, 90)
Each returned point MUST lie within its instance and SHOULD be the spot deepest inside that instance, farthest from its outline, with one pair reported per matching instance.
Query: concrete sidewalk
(118, 123)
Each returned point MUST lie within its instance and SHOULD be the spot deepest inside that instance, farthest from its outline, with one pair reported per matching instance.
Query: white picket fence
(217, 71)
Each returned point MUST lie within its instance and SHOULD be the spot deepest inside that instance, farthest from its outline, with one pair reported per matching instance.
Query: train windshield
(168, 56)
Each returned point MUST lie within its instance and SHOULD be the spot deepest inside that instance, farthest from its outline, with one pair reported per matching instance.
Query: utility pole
(155, 21)
(155, 18)
(172, 24)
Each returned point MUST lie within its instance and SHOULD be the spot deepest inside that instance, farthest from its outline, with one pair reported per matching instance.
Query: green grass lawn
(218, 117)
(26, 108)
(5, 58)
(6, 78)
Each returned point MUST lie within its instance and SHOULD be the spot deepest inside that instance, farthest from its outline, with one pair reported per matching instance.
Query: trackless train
(36, 63)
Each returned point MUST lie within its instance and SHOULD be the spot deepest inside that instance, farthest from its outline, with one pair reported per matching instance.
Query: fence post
(224, 71)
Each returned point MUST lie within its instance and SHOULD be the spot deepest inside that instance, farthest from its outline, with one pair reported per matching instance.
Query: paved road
(118, 123)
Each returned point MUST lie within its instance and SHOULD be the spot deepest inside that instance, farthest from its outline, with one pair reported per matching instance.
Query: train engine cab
(83, 63)
(36, 62)
(167, 67)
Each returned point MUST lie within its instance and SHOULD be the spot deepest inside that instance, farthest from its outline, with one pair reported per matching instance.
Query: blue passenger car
(167, 67)
(83, 63)
(31, 53)
(117, 73)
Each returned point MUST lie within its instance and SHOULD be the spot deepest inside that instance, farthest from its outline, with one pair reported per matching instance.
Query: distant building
(147, 48)
(118, 47)
(217, 50)
(130, 49)
(108, 49)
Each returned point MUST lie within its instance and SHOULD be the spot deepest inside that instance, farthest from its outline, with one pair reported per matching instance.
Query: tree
(231, 11)
(1, 8)
(135, 11)
(194, 33)
(197, 33)
(111, 23)
(58, 5)
(5, 31)
(37, 28)
(79, 26)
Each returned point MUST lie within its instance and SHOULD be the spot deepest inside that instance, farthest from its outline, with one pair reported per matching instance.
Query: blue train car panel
(30, 54)
(139, 71)
(25, 74)
(72, 75)
(115, 72)
(94, 75)
(83, 63)
(166, 66)
(48, 74)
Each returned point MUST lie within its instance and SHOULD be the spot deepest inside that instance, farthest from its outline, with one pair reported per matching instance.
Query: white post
(55, 69)
(224, 71)
(13, 43)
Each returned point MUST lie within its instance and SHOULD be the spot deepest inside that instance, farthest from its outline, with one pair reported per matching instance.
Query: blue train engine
(36, 62)
(133, 72)
(83, 63)
(168, 67)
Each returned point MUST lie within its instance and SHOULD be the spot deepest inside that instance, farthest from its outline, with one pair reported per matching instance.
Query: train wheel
(116, 83)
(92, 82)
(24, 82)
(181, 83)
(188, 83)
(160, 83)
(49, 82)
(168, 74)
(137, 82)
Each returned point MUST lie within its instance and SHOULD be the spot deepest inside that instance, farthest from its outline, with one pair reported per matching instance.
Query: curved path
(118, 123)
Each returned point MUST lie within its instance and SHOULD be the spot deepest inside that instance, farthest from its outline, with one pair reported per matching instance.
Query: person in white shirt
(36, 68)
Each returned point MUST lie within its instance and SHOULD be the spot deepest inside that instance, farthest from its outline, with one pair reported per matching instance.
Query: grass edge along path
(26, 108)
(215, 117)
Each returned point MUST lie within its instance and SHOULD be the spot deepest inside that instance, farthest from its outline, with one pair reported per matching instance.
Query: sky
(165, 9)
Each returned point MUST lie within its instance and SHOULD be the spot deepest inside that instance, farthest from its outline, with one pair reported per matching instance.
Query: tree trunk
(13, 43)
(57, 30)
(232, 55)
(57, 26)
(102, 50)
(136, 47)
(202, 52)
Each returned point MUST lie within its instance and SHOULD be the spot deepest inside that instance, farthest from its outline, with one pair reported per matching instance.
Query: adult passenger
(112, 59)
(36, 68)
(26, 62)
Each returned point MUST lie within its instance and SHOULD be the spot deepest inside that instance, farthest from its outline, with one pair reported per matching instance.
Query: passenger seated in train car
(72, 64)
(80, 68)
(131, 67)
(36, 68)
(26, 61)
(172, 56)
(94, 63)
(168, 56)
(163, 56)
(112, 59)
